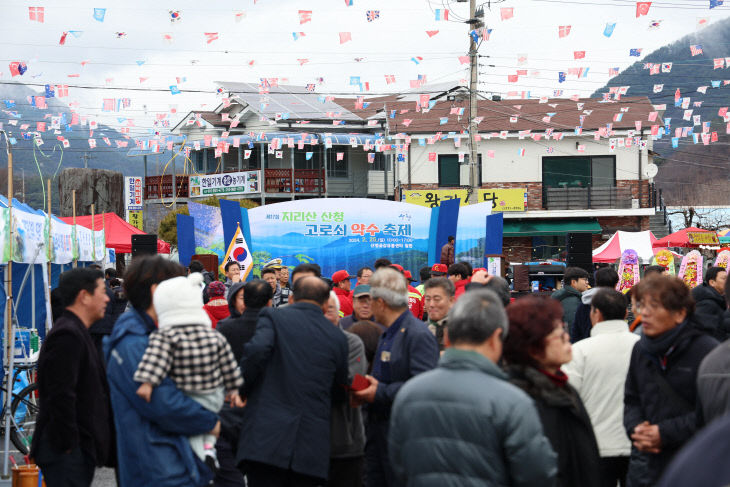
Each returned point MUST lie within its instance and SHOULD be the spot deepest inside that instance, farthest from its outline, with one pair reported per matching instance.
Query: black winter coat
(709, 311)
(238, 328)
(646, 400)
(293, 366)
(565, 423)
(73, 394)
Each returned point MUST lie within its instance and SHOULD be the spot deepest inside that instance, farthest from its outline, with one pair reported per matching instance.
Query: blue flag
(635, 52)
(675, 142)
(715, 3)
(99, 14)
(561, 77)
(608, 31)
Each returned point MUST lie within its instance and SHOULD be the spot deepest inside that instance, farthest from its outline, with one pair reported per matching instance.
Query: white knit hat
(179, 301)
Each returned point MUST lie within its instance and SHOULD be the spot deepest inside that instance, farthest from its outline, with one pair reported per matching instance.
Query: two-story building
(579, 165)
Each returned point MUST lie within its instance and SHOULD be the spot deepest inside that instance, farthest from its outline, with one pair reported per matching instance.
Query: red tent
(118, 232)
(682, 239)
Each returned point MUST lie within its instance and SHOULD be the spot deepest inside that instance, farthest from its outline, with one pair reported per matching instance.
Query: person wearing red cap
(341, 283)
(415, 298)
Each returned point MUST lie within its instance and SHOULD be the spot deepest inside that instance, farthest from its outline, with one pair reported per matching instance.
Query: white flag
(238, 252)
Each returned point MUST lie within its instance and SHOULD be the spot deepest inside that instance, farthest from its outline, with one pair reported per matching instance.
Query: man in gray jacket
(466, 407)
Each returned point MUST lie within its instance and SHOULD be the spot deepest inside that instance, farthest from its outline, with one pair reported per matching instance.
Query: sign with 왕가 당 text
(502, 199)
(245, 182)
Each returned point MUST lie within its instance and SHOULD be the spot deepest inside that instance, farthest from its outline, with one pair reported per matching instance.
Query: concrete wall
(508, 165)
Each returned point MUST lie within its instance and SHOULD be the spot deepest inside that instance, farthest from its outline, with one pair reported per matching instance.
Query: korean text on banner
(62, 237)
(246, 182)
(85, 240)
(504, 199)
(340, 234)
(29, 245)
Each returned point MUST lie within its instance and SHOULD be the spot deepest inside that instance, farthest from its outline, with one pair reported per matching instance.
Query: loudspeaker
(144, 244)
(580, 251)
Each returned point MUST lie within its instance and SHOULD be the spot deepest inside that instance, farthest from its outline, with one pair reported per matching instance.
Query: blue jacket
(414, 350)
(293, 366)
(152, 444)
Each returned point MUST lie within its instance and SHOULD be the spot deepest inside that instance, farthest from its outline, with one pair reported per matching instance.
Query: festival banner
(341, 233)
(99, 246)
(133, 204)
(62, 248)
(85, 239)
(3, 235)
(29, 237)
(471, 231)
(208, 229)
(246, 182)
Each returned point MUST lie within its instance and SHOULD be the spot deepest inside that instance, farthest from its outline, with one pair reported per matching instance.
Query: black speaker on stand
(580, 251)
(144, 244)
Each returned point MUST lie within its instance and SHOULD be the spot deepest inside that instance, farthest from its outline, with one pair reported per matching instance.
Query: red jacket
(345, 301)
(461, 286)
(217, 312)
(415, 302)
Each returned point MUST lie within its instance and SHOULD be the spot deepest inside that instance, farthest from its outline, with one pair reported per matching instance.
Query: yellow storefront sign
(135, 219)
(502, 199)
(433, 197)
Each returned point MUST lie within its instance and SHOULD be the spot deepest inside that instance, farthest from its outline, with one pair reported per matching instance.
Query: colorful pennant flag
(36, 14)
(696, 49)
(608, 30)
(345, 37)
(305, 16)
(563, 31)
(210, 37)
(99, 14)
(506, 12)
(642, 8)
(442, 14)
(372, 15)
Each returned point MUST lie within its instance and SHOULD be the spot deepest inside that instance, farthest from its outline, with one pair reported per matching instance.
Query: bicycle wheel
(24, 410)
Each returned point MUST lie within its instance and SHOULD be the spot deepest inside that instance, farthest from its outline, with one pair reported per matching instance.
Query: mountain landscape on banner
(691, 172)
(24, 158)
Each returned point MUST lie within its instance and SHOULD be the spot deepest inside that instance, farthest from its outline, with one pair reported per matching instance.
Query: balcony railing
(275, 181)
(294, 180)
(587, 198)
(157, 187)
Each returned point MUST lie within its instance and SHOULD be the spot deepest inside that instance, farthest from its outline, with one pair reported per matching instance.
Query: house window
(335, 168)
(450, 172)
(381, 163)
(578, 172)
(301, 162)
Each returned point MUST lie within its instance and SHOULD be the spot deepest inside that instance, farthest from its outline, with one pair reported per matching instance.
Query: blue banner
(185, 238)
(340, 233)
(231, 218)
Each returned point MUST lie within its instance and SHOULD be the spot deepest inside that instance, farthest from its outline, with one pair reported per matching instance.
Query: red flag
(210, 37)
(345, 37)
(642, 8)
(305, 16)
(464, 59)
(512, 78)
(63, 39)
(389, 79)
(36, 14)
(677, 95)
(507, 12)
(563, 31)
(579, 54)
(431, 33)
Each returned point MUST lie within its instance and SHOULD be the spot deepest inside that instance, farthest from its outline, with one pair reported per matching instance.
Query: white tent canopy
(641, 242)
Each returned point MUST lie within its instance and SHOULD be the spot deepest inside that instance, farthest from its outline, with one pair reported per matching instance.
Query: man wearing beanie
(197, 358)
(217, 307)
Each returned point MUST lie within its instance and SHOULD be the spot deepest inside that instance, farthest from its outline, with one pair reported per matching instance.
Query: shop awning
(547, 228)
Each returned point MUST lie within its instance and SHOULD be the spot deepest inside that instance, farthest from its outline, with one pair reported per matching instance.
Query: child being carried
(188, 350)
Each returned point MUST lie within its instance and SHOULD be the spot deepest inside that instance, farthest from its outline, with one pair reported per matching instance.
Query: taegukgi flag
(238, 252)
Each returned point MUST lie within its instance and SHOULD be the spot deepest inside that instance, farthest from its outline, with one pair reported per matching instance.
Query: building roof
(295, 101)
(497, 115)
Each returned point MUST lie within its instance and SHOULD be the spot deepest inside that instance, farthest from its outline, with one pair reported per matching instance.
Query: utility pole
(474, 182)
(86, 158)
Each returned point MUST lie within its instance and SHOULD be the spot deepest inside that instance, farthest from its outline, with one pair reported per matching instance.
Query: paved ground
(104, 477)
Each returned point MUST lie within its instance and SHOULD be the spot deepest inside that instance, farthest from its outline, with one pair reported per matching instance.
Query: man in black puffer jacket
(711, 305)
(245, 301)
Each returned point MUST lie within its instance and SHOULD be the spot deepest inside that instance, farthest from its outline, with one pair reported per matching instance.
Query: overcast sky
(262, 32)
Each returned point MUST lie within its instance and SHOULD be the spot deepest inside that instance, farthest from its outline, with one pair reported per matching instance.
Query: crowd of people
(299, 379)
